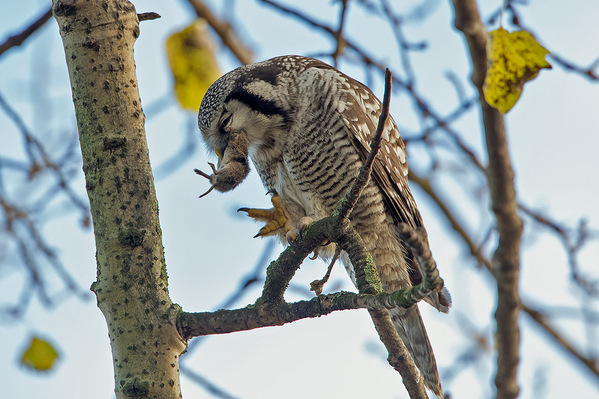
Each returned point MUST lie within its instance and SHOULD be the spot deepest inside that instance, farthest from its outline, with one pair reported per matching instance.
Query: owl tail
(413, 334)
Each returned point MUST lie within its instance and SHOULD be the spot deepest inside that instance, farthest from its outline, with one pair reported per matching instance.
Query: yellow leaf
(191, 58)
(513, 59)
(40, 355)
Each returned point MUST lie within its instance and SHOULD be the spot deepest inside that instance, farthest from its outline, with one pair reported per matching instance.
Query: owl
(307, 128)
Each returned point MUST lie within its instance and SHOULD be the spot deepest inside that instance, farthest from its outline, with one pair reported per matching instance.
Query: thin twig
(339, 35)
(588, 72)
(476, 252)
(147, 16)
(224, 31)
(19, 39)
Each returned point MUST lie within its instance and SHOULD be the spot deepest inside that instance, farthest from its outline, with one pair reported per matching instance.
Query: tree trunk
(131, 284)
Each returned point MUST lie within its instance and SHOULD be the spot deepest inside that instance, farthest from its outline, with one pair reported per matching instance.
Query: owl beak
(219, 153)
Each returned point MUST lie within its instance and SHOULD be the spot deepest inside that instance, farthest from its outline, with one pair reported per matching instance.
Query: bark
(131, 284)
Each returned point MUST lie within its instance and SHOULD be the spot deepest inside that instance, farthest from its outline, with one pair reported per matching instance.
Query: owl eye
(225, 121)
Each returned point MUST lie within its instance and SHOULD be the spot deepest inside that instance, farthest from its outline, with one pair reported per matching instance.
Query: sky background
(209, 248)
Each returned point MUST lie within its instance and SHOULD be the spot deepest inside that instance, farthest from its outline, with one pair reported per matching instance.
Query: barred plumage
(308, 129)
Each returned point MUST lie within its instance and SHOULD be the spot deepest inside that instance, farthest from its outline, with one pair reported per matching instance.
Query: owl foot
(275, 219)
(318, 285)
(294, 233)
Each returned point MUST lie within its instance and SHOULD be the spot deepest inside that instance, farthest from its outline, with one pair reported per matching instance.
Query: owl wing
(360, 111)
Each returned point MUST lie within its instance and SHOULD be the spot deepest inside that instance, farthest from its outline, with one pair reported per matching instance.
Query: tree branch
(475, 251)
(264, 314)
(19, 39)
(224, 31)
(506, 260)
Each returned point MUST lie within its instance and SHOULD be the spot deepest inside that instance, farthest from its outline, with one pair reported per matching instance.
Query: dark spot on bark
(136, 388)
(118, 184)
(132, 237)
(111, 143)
(92, 45)
(64, 10)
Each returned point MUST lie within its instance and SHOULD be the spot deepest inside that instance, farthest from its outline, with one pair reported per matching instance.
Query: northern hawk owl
(307, 128)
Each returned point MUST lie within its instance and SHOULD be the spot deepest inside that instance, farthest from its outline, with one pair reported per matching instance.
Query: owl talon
(274, 217)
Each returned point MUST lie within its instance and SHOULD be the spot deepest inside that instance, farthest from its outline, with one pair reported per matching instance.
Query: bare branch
(588, 72)
(19, 39)
(573, 242)
(538, 317)
(399, 357)
(224, 31)
(455, 224)
(209, 386)
(147, 16)
(39, 158)
(268, 315)
(506, 260)
(475, 251)
(339, 34)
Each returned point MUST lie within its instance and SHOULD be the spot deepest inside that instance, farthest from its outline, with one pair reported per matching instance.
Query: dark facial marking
(257, 103)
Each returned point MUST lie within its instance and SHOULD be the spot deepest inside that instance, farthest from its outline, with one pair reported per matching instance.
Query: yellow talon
(274, 217)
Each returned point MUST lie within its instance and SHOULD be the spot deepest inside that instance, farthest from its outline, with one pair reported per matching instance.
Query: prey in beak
(232, 167)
